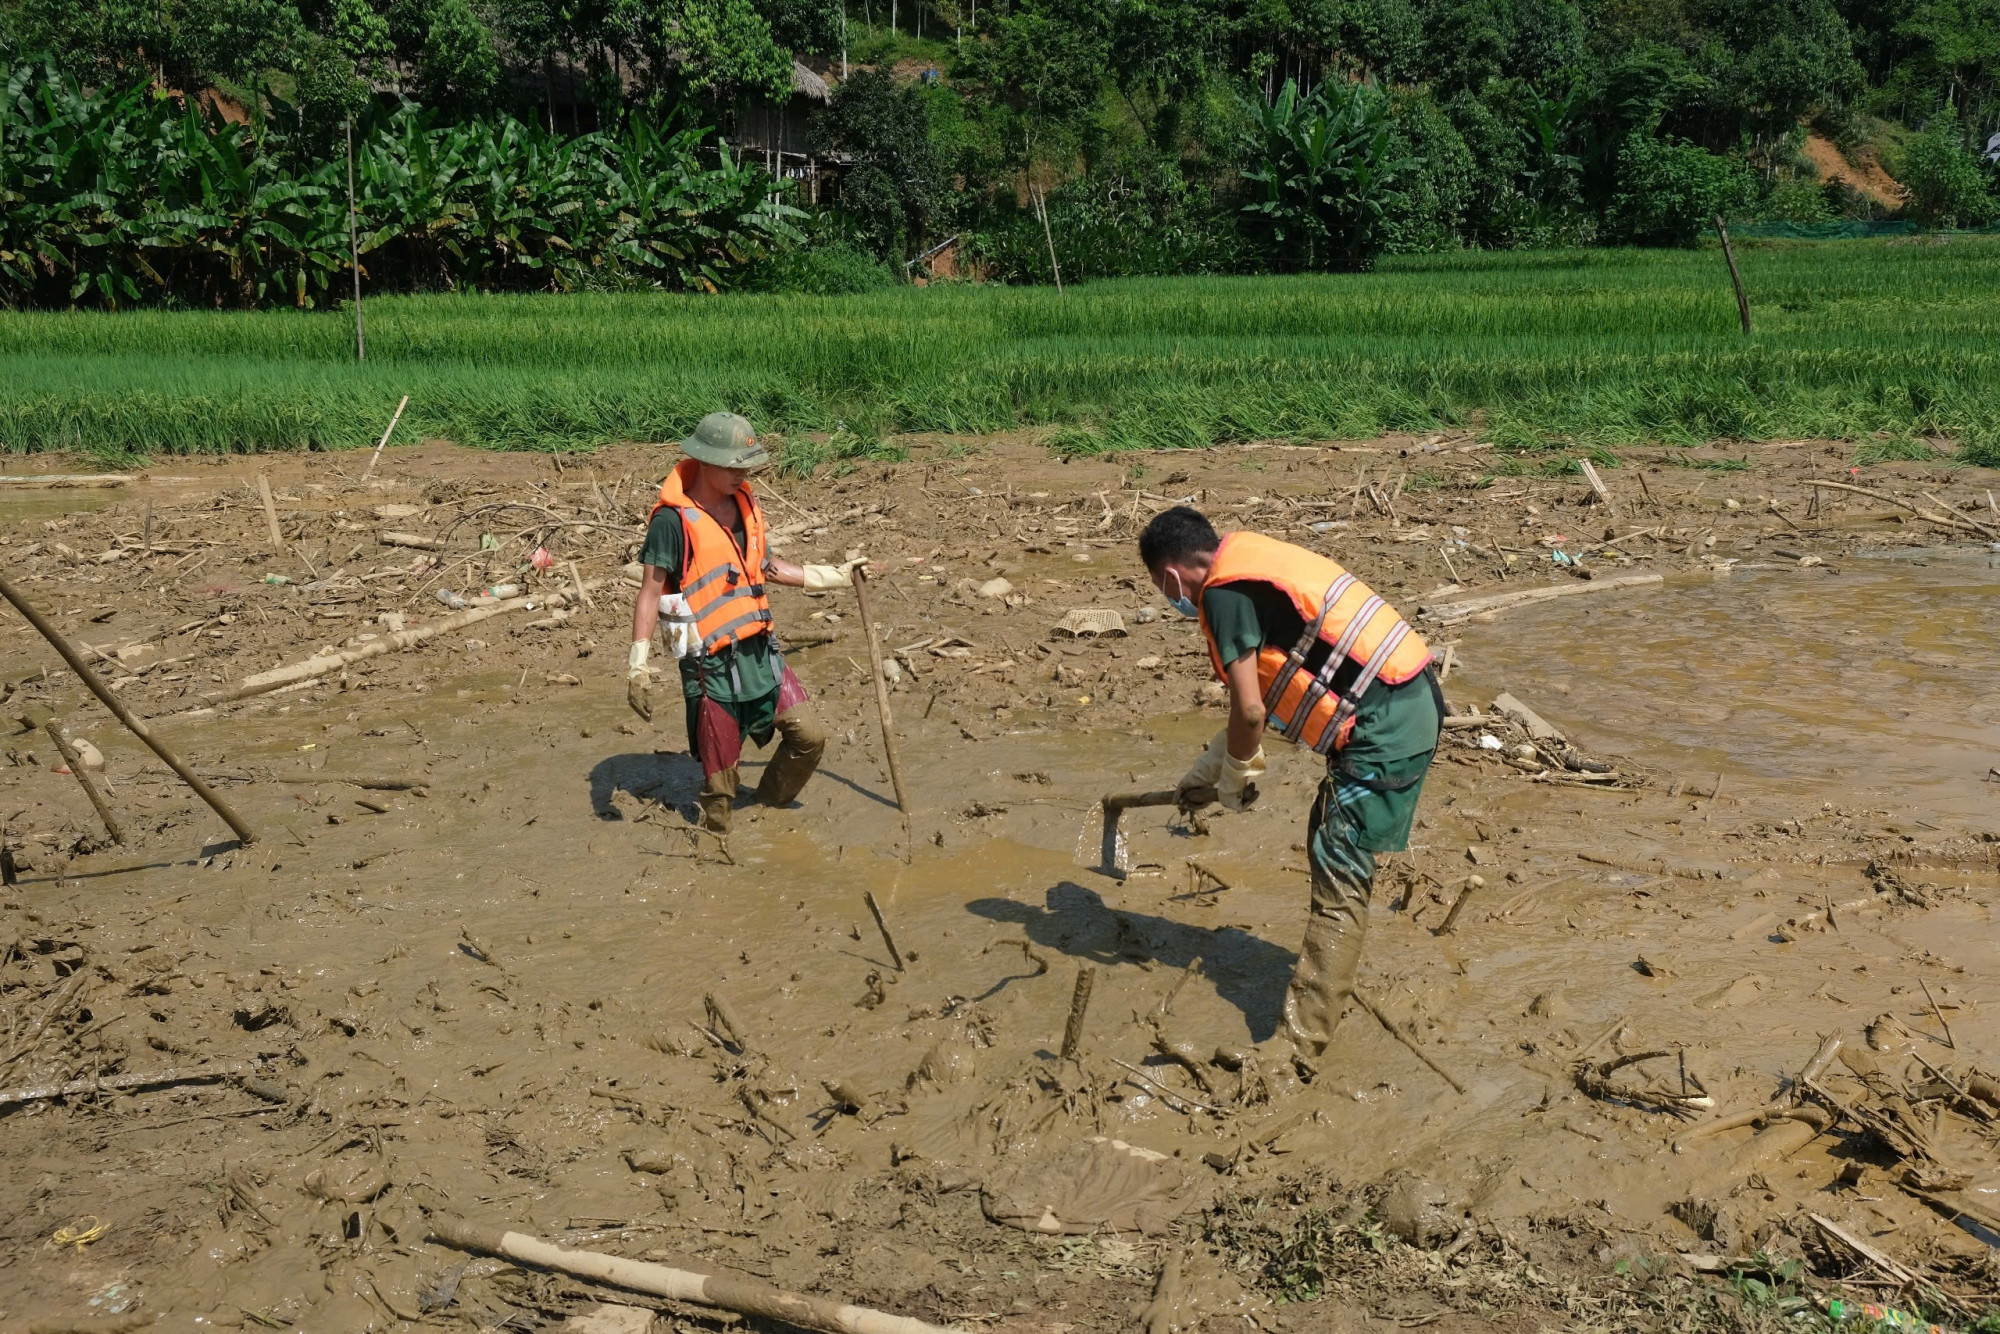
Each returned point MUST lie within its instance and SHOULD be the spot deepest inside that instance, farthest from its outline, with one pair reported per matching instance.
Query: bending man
(705, 541)
(1306, 648)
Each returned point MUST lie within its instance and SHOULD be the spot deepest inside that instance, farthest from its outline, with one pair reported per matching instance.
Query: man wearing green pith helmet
(707, 564)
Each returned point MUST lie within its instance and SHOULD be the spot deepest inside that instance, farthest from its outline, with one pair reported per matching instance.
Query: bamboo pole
(1729, 254)
(84, 780)
(881, 690)
(377, 456)
(726, 1292)
(354, 247)
(124, 715)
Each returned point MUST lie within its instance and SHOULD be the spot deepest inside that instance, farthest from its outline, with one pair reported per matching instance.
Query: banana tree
(1326, 166)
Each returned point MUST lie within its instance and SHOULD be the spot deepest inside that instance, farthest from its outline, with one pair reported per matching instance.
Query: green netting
(1844, 230)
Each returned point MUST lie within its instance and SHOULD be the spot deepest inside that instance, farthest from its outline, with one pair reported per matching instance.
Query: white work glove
(639, 679)
(1207, 771)
(1234, 790)
(822, 577)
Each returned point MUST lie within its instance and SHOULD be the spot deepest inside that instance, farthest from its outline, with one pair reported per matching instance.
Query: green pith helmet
(727, 441)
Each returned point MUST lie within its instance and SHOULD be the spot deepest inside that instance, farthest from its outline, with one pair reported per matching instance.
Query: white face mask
(1182, 604)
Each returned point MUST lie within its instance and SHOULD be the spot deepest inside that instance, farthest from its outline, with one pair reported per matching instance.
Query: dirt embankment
(479, 963)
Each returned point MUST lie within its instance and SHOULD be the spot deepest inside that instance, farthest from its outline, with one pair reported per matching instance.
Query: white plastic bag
(677, 625)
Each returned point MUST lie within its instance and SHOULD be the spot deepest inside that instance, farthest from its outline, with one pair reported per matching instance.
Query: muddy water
(1877, 684)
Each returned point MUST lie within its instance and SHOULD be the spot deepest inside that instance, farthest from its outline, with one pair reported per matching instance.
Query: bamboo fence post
(354, 249)
(1729, 254)
(124, 715)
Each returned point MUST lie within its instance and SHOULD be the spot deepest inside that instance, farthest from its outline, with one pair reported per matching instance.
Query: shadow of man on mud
(1248, 972)
(669, 777)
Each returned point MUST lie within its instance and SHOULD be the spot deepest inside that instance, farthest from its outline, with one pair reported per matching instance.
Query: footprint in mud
(1245, 970)
(674, 779)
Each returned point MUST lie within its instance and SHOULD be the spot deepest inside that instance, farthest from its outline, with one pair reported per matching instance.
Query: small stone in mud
(995, 588)
(1145, 616)
(1214, 694)
(1549, 1005)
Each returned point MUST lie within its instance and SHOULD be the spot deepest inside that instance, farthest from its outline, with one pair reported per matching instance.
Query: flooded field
(480, 965)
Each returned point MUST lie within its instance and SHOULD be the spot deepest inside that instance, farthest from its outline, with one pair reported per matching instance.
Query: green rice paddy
(1598, 347)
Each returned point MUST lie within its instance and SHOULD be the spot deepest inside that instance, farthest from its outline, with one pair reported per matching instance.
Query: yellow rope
(78, 1235)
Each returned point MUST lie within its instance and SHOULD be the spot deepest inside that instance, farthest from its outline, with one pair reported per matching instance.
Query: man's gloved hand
(821, 577)
(1207, 771)
(639, 679)
(1234, 789)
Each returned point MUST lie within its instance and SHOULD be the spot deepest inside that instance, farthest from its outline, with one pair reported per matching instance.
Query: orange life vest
(724, 586)
(1340, 611)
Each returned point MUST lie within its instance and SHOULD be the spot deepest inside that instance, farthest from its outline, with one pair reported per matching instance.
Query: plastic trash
(277, 578)
(451, 599)
(541, 560)
(1487, 741)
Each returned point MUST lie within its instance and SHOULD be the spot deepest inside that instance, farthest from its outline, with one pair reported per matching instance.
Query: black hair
(1175, 535)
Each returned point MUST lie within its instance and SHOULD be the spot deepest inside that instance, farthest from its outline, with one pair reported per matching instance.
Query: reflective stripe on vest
(723, 584)
(1340, 612)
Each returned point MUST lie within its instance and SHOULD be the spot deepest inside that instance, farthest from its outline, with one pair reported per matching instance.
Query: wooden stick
(1079, 1002)
(1396, 1032)
(84, 780)
(377, 456)
(881, 690)
(582, 593)
(1958, 521)
(124, 715)
(1449, 612)
(264, 682)
(1597, 486)
(415, 541)
(729, 1293)
(1935, 1011)
(156, 1079)
(1458, 904)
(1729, 254)
(895, 956)
(270, 512)
(352, 780)
(1957, 513)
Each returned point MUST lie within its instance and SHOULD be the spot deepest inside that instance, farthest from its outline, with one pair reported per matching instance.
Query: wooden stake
(881, 693)
(582, 593)
(1597, 486)
(882, 925)
(1079, 1003)
(354, 247)
(124, 715)
(1042, 205)
(1458, 904)
(1728, 254)
(84, 780)
(377, 456)
(270, 512)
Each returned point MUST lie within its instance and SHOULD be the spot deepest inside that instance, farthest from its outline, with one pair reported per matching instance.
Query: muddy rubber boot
(717, 800)
(801, 742)
(1323, 978)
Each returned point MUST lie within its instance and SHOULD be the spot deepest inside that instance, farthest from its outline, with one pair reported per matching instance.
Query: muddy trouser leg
(801, 742)
(718, 790)
(1343, 881)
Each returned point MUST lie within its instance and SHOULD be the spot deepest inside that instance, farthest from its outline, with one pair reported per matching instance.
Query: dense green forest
(195, 151)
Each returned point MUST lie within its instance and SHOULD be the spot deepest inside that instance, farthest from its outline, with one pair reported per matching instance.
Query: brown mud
(509, 982)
